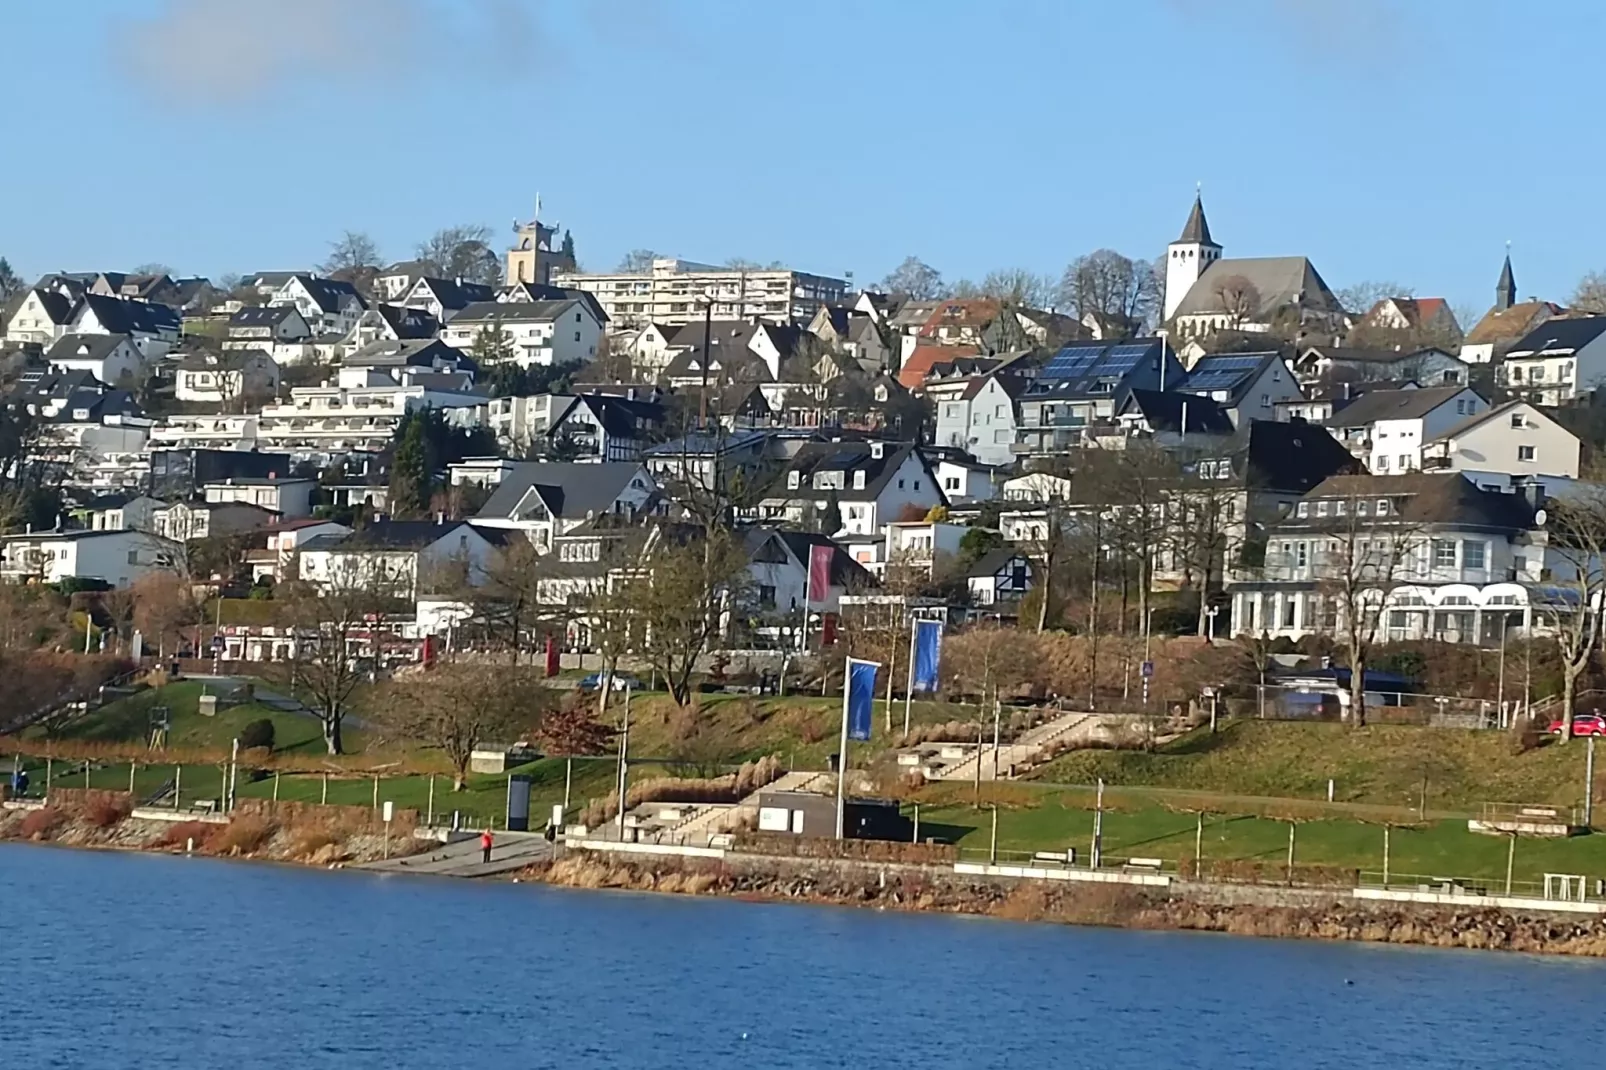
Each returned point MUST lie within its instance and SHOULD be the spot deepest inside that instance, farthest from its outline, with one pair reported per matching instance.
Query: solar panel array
(1071, 362)
(1223, 372)
(1123, 358)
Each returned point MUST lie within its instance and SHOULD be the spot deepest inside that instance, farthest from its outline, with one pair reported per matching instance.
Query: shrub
(182, 832)
(241, 836)
(42, 824)
(1526, 735)
(104, 813)
(308, 842)
(257, 734)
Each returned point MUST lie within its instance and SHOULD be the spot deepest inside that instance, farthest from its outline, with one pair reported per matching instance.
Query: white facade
(1512, 440)
(328, 418)
(290, 498)
(205, 432)
(397, 568)
(252, 374)
(669, 293)
(982, 425)
(967, 483)
(1396, 445)
(1556, 378)
(115, 557)
(119, 364)
(565, 336)
(33, 322)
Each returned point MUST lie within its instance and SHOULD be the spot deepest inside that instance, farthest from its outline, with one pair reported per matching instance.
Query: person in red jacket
(485, 844)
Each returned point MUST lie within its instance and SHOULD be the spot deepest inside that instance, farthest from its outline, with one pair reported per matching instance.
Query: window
(1382, 507)
(133, 557)
(1517, 420)
(1321, 508)
(1461, 408)
(1525, 453)
(1301, 554)
(950, 483)
(1338, 508)
(1405, 462)
(1472, 554)
(1265, 401)
(1302, 509)
(1520, 564)
(1382, 463)
(1360, 508)
(766, 597)
(1443, 553)
(900, 484)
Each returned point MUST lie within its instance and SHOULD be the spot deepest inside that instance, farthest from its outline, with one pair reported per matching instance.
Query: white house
(111, 358)
(778, 566)
(278, 559)
(1388, 428)
(1562, 360)
(871, 483)
(1514, 441)
(546, 499)
(445, 299)
(968, 482)
(405, 558)
(154, 328)
(120, 512)
(979, 416)
(189, 521)
(327, 306)
(115, 557)
(290, 498)
(999, 578)
(42, 317)
(333, 419)
(648, 347)
(536, 332)
(263, 327)
(235, 375)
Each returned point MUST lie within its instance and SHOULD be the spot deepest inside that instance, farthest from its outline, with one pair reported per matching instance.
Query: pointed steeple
(1197, 230)
(1505, 291)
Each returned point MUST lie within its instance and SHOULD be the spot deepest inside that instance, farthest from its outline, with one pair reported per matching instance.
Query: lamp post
(1210, 623)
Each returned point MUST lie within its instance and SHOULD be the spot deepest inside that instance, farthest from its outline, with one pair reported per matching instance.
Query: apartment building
(672, 293)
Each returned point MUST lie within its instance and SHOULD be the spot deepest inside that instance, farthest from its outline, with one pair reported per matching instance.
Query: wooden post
(1198, 848)
(324, 798)
(1291, 827)
(275, 785)
(49, 768)
(86, 774)
(376, 792)
(429, 814)
(568, 781)
(1385, 856)
(132, 767)
(917, 824)
(178, 786)
(992, 851)
(1511, 861)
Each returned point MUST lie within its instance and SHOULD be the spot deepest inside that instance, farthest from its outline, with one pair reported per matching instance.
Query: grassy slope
(1382, 765)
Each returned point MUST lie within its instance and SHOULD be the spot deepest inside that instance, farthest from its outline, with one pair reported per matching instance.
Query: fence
(1278, 702)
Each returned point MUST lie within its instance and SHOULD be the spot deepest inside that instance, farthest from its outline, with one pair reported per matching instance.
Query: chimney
(440, 519)
(1534, 492)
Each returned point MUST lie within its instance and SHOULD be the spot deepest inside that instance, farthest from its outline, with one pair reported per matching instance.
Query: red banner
(820, 573)
(551, 656)
(828, 629)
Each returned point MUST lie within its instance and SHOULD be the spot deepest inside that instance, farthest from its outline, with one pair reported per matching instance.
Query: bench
(1150, 865)
(1066, 857)
(205, 806)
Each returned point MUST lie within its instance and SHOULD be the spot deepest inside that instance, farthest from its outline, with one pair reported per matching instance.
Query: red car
(1584, 724)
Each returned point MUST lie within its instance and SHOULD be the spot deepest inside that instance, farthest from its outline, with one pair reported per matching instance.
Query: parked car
(621, 681)
(1584, 724)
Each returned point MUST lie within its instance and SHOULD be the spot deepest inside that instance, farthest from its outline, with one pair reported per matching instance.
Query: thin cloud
(227, 51)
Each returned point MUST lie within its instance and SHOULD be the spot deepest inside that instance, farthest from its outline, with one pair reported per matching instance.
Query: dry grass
(181, 833)
(241, 836)
(42, 824)
(104, 813)
(313, 843)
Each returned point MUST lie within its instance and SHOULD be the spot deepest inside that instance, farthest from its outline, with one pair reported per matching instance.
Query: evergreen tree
(412, 473)
(493, 346)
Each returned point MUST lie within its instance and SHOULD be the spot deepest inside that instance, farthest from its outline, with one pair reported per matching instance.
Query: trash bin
(833, 762)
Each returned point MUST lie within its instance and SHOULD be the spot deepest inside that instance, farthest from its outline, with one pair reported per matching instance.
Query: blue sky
(1385, 139)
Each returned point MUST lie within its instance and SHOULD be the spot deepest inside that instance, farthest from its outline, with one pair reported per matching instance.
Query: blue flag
(928, 654)
(861, 697)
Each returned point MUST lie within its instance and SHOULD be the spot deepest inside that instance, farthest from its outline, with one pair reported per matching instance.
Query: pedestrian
(485, 845)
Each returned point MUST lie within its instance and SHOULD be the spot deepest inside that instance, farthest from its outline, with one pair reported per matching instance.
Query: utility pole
(998, 710)
(1096, 855)
(1589, 782)
(624, 764)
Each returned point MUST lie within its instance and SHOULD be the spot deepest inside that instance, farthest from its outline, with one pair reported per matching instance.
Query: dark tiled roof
(1165, 412)
(1377, 405)
(568, 489)
(1426, 498)
(1563, 335)
(1197, 228)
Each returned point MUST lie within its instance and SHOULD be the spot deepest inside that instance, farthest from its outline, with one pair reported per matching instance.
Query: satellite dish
(1539, 517)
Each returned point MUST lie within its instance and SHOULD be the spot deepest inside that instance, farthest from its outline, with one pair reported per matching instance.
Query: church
(1206, 292)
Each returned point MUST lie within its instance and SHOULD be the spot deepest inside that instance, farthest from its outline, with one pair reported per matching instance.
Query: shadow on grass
(930, 830)
(1199, 741)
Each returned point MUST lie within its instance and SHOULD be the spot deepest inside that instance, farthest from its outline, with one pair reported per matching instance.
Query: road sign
(390, 810)
(217, 644)
(1148, 669)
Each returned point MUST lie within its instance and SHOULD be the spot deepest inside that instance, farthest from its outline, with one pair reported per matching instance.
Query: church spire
(1196, 231)
(1505, 291)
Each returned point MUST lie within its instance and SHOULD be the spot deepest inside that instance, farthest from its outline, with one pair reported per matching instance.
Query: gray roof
(1197, 229)
(1279, 280)
(415, 352)
(990, 562)
(1377, 405)
(568, 489)
(513, 311)
(85, 346)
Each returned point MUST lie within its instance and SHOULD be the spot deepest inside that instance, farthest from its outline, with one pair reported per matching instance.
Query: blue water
(115, 960)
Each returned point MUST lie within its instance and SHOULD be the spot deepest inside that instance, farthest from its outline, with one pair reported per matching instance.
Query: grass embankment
(1383, 765)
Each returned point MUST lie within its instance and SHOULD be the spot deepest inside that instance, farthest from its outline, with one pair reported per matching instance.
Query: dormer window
(794, 479)
(858, 479)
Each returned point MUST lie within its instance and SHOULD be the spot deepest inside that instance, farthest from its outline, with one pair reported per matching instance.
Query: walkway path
(513, 851)
(1024, 750)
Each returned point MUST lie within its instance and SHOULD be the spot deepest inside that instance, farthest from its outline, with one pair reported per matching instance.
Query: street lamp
(1210, 623)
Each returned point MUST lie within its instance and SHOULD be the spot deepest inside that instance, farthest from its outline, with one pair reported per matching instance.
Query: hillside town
(497, 444)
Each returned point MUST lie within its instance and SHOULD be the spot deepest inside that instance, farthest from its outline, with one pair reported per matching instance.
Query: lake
(127, 960)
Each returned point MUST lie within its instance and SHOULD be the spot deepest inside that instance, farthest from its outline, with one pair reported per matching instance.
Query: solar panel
(1071, 362)
(1230, 363)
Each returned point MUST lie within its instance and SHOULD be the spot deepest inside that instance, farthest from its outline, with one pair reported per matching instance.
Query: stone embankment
(1241, 910)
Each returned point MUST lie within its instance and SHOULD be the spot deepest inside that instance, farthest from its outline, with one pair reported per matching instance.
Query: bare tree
(1019, 288)
(353, 250)
(1361, 550)
(1113, 287)
(1238, 298)
(1590, 294)
(1576, 525)
(694, 587)
(338, 629)
(457, 707)
(1362, 296)
(916, 278)
(463, 252)
(636, 262)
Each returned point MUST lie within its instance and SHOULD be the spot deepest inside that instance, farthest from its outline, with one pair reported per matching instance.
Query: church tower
(1505, 291)
(1188, 256)
(533, 257)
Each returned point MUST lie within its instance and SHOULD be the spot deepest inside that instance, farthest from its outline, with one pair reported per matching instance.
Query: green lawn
(1442, 848)
(1383, 765)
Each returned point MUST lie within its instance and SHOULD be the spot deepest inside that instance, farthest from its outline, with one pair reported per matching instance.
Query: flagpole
(909, 692)
(842, 749)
